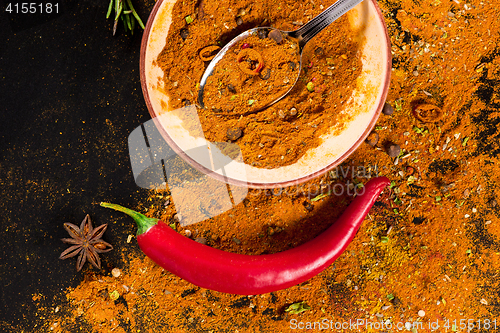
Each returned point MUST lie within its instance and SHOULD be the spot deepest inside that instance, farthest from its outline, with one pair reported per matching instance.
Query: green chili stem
(143, 222)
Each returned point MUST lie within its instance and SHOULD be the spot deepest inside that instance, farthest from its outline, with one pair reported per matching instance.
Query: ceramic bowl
(367, 102)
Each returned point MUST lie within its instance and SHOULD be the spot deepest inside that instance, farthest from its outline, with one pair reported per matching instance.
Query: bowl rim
(265, 185)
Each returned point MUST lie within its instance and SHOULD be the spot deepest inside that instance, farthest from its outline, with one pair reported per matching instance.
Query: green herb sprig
(126, 12)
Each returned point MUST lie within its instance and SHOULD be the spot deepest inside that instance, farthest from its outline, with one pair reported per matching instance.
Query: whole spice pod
(372, 139)
(392, 149)
(241, 274)
(388, 109)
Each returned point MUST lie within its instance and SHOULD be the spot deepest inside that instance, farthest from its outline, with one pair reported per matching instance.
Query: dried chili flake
(250, 61)
(209, 52)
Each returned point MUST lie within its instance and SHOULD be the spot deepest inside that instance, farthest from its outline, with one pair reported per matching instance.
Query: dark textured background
(70, 95)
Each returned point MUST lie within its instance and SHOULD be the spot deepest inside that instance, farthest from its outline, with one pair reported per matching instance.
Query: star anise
(87, 242)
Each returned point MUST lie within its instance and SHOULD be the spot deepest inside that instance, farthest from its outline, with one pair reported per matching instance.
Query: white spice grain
(116, 272)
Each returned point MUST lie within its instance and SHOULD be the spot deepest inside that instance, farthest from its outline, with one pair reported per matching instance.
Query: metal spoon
(300, 37)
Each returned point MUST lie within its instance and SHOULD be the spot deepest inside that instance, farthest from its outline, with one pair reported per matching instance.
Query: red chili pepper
(234, 273)
(245, 46)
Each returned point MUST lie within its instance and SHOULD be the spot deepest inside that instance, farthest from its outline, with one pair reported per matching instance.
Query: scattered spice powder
(429, 251)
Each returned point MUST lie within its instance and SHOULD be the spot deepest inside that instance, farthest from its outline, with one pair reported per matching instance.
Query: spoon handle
(328, 16)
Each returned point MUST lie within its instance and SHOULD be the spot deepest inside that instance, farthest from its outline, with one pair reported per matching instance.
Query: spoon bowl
(299, 37)
(251, 32)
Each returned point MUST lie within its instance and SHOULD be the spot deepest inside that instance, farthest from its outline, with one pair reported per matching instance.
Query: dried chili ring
(427, 113)
(250, 61)
(209, 52)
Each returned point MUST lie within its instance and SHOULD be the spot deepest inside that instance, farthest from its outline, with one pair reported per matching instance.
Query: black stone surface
(70, 95)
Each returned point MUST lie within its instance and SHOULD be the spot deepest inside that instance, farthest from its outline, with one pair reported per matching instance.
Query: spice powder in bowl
(333, 105)
(253, 73)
